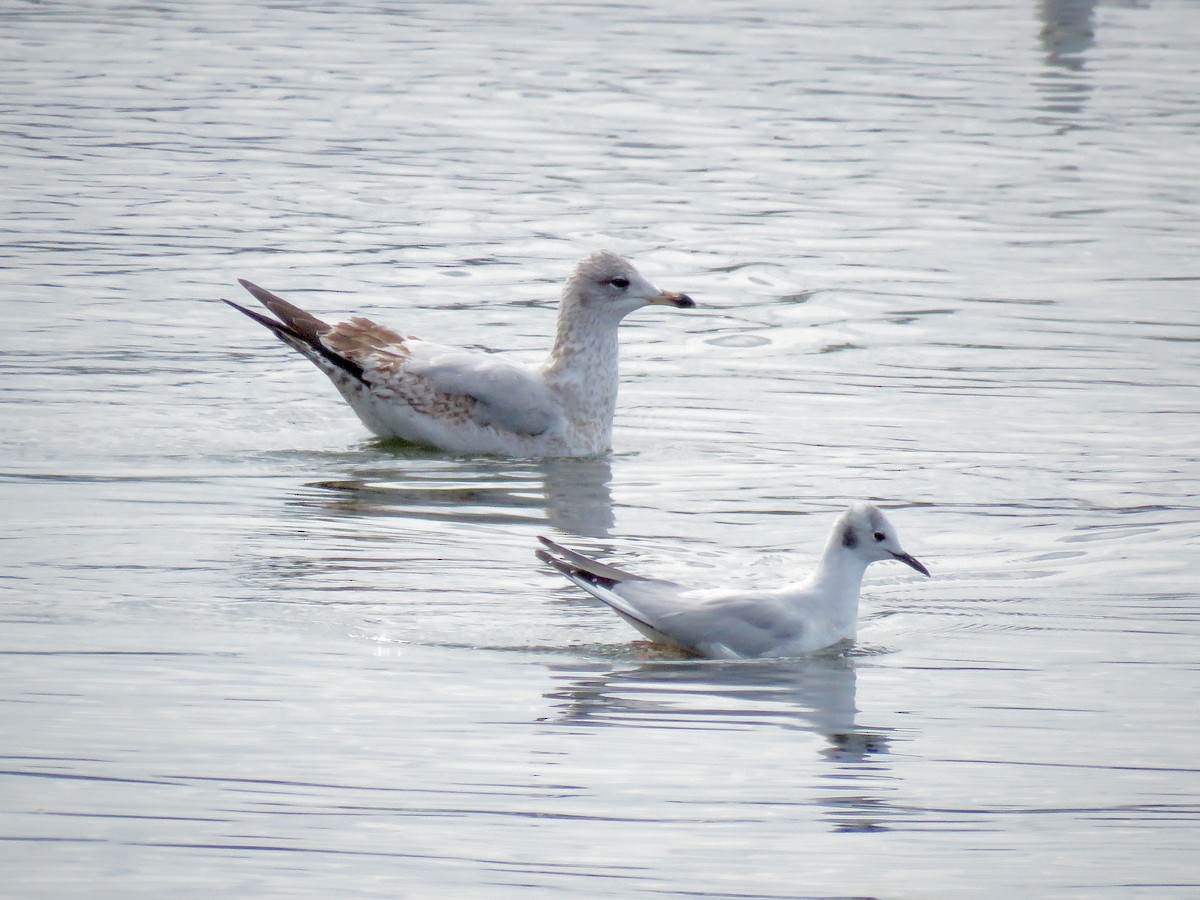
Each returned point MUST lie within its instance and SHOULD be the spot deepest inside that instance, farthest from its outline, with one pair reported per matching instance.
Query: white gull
(725, 623)
(471, 401)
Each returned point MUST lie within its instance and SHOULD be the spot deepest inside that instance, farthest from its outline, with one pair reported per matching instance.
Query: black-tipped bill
(671, 298)
(911, 561)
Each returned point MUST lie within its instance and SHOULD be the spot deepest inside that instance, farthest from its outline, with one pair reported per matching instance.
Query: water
(947, 260)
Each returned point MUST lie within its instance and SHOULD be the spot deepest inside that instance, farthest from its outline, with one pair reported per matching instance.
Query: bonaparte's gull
(725, 623)
(471, 401)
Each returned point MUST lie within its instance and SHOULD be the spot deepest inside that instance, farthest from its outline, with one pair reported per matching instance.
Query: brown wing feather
(383, 351)
(359, 346)
(361, 337)
(303, 323)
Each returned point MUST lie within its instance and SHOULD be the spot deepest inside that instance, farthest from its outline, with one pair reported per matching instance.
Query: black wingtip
(561, 567)
(258, 317)
(291, 336)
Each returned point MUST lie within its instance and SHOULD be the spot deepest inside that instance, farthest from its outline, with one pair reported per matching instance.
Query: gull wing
(721, 624)
(586, 565)
(302, 331)
(507, 396)
(601, 581)
(445, 382)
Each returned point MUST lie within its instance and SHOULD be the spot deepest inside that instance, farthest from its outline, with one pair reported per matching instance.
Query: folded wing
(435, 380)
(507, 396)
(719, 624)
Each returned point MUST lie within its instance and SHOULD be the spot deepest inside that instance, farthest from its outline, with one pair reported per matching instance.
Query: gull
(726, 623)
(472, 401)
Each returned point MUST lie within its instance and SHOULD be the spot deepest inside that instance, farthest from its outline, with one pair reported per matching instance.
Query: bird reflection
(578, 495)
(1068, 32)
(573, 495)
(814, 694)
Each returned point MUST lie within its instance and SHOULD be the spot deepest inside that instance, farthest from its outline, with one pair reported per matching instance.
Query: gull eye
(619, 282)
(879, 535)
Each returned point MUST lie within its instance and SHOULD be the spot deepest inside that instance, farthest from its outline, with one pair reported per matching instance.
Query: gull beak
(671, 298)
(910, 561)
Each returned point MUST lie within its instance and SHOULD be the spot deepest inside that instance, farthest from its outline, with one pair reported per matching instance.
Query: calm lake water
(947, 259)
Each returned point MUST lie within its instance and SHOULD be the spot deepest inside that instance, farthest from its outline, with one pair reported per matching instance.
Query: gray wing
(721, 624)
(601, 581)
(508, 396)
(585, 565)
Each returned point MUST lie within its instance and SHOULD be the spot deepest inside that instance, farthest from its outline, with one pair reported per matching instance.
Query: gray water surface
(947, 259)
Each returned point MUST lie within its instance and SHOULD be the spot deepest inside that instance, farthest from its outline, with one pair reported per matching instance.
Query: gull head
(606, 283)
(864, 531)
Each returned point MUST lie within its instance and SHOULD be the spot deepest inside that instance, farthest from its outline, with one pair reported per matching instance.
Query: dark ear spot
(849, 538)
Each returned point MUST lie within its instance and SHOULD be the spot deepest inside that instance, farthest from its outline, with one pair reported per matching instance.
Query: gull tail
(300, 330)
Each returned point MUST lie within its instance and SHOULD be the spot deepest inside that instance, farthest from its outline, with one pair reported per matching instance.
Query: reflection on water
(814, 694)
(413, 543)
(578, 495)
(572, 495)
(1068, 32)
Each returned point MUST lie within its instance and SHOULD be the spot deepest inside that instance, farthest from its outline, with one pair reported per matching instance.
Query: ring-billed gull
(724, 623)
(471, 401)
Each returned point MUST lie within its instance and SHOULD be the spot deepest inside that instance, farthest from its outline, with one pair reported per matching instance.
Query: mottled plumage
(728, 623)
(471, 401)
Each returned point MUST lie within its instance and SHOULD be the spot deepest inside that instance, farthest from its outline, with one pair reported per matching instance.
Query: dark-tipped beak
(911, 561)
(671, 298)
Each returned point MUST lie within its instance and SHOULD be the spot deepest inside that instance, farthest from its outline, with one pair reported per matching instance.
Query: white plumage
(728, 623)
(471, 401)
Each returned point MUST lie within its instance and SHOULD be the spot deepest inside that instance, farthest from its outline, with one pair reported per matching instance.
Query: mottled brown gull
(471, 401)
